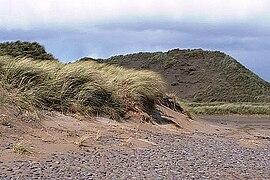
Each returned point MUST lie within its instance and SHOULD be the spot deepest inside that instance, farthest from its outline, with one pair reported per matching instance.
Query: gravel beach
(173, 157)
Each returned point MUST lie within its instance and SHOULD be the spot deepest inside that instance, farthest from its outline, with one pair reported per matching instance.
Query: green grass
(91, 88)
(224, 108)
(87, 88)
(25, 49)
(200, 76)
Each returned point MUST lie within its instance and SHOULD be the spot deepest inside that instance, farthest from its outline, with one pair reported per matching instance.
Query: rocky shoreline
(173, 157)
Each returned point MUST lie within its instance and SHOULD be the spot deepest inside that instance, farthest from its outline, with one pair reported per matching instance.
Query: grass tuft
(87, 88)
(21, 148)
(81, 141)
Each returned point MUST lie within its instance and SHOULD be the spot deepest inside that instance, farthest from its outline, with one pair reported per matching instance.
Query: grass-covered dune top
(25, 49)
(87, 88)
(200, 76)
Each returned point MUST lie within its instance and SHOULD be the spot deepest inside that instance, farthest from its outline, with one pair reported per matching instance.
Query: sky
(71, 30)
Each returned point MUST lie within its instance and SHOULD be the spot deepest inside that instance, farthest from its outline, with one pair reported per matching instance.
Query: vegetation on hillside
(223, 108)
(210, 82)
(88, 88)
(25, 49)
(200, 76)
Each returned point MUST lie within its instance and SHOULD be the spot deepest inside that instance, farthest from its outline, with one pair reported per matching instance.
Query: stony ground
(195, 156)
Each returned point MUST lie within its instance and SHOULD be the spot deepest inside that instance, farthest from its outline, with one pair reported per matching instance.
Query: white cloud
(26, 14)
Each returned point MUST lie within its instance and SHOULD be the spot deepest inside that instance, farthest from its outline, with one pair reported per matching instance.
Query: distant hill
(195, 75)
(25, 49)
(200, 76)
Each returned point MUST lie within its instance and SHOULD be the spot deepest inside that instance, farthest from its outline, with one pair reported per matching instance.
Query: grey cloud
(248, 43)
(32, 34)
(204, 28)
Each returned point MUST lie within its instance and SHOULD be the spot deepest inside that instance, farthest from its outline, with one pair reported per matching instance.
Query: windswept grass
(200, 76)
(224, 108)
(136, 89)
(87, 88)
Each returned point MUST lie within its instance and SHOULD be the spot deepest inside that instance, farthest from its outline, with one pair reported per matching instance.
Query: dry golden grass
(81, 141)
(88, 88)
(21, 148)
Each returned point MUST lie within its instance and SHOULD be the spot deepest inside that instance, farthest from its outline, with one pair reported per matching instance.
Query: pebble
(193, 158)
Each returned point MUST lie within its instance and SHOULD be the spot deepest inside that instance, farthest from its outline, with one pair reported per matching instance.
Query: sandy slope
(52, 139)
(54, 132)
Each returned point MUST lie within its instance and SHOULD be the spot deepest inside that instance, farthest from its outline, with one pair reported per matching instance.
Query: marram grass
(225, 108)
(88, 88)
(91, 88)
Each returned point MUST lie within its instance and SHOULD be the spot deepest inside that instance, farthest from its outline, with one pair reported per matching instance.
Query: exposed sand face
(176, 148)
(58, 133)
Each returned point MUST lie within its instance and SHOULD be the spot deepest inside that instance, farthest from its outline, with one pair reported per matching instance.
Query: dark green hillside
(25, 49)
(194, 75)
(200, 76)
